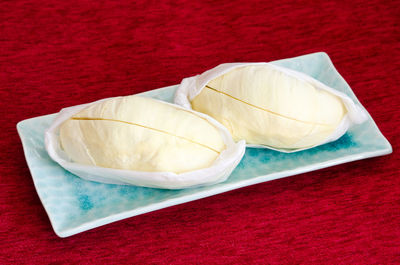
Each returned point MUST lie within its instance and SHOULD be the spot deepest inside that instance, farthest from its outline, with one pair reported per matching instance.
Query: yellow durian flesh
(141, 134)
(266, 106)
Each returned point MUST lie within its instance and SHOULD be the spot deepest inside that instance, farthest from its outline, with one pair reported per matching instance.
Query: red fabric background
(55, 54)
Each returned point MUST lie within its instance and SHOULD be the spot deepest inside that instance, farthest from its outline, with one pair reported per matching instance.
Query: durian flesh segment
(266, 106)
(141, 134)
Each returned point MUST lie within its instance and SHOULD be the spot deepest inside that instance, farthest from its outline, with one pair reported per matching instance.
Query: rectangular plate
(75, 205)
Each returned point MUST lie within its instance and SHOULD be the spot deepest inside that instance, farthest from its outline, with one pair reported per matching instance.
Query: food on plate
(267, 106)
(141, 134)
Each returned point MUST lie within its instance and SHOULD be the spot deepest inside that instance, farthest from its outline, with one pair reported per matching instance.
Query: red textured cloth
(55, 54)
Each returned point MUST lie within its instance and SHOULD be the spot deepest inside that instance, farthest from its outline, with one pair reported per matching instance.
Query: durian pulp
(143, 134)
(268, 107)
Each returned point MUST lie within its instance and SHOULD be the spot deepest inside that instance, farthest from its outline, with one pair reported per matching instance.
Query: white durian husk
(219, 171)
(192, 86)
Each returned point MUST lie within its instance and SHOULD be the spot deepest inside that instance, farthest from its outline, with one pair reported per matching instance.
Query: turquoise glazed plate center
(75, 205)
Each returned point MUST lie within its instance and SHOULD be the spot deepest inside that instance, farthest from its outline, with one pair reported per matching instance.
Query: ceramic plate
(75, 205)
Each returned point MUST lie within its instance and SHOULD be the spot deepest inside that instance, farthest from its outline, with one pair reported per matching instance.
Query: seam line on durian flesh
(269, 111)
(146, 127)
